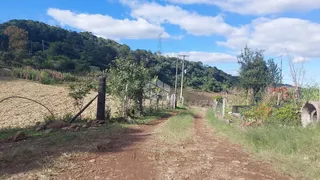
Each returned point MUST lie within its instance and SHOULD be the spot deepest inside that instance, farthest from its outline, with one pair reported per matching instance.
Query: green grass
(30, 131)
(152, 116)
(293, 149)
(178, 128)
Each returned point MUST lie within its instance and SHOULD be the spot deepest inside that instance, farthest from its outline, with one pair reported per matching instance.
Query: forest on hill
(41, 46)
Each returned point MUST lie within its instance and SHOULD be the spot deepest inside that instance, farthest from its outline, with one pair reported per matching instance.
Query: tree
(274, 73)
(127, 80)
(18, 38)
(83, 51)
(297, 72)
(253, 72)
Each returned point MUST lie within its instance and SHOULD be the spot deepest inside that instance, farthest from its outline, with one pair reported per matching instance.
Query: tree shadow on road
(43, 149)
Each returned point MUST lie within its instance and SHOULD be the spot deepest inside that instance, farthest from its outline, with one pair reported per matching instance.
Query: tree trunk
(140, 105)
(298, 91)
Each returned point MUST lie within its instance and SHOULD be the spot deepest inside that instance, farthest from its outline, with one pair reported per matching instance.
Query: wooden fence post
(101, 104)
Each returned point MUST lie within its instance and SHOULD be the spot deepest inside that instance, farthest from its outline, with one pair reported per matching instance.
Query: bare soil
(204, 156)
(20, 113)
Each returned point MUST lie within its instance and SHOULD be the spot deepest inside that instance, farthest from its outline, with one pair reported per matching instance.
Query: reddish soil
(138, 153)
(225, 160)
(202, 157)
(120, 158)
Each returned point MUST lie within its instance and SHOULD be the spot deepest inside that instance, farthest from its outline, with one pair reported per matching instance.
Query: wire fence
(157, 95)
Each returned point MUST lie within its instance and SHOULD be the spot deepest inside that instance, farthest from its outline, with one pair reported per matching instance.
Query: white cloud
(299, 59)
(205, 57)
(192, 22)
(278, 36)
(108, 27)
(257, 7)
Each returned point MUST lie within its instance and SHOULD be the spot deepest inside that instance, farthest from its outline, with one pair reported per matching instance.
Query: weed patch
(293, 149)
(178, 128)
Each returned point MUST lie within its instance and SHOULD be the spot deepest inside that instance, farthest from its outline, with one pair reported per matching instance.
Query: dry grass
(23, 113)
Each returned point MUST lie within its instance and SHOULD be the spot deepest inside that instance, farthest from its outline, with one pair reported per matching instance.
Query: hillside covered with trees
(41, 46)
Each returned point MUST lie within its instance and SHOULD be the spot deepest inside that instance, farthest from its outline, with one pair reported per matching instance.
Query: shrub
(218, 98)
(285, 115)
(259, 113)
(69, 77)
(44, 76)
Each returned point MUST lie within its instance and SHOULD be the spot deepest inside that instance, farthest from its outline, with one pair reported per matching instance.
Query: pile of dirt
(23, 113)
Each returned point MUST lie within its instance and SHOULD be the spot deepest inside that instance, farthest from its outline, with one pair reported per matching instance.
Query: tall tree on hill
(59, 49)
(255, 73)
(18, 38)
(274, 73)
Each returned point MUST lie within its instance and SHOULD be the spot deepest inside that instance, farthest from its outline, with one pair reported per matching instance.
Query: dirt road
(203, 156)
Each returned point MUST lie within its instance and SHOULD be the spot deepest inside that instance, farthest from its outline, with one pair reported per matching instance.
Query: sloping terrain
(22, 113)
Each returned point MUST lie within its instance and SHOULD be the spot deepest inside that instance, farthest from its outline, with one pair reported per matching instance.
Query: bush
(259, 113)
(44, 76)
(69, 77)
(285, 115)
(218, 98)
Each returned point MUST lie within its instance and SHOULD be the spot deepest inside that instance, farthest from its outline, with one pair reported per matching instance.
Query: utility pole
(182, 72)
(175, 85)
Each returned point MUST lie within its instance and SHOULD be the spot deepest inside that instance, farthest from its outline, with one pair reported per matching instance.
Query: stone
(92, 161)
(65, 128)
(48, 131)
(85, 126)
(19, 136)
(41, 127)
(74, 126)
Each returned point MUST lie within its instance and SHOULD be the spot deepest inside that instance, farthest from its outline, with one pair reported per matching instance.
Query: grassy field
(293, 149)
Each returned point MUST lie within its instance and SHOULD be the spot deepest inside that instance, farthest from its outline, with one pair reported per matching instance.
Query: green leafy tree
(253, 72)
(55, 48)
(127, 79)
(274, 73)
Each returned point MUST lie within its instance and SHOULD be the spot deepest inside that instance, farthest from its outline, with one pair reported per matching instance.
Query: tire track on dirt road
(205, 157)
(201, 156)
(227, 160)
(117, 160)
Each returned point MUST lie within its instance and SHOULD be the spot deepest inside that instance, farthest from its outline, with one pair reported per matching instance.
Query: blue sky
(211, 31)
